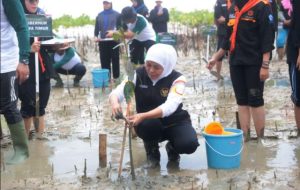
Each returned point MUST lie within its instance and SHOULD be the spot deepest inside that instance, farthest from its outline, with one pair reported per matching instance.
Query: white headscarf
(165, 55)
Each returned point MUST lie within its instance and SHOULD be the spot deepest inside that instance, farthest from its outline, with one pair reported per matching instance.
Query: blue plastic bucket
(224, 151)
(100, 77)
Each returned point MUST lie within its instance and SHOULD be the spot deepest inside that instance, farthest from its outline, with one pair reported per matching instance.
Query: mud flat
(75, 117)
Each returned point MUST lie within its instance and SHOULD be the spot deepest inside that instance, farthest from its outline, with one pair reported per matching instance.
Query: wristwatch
(24, 61)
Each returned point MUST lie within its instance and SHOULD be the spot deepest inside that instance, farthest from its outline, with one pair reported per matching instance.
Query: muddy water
(75, 117)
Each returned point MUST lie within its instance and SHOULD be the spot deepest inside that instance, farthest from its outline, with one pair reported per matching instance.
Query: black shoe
(59, 84)
(172, 154)
(153, 154)
(76, 83)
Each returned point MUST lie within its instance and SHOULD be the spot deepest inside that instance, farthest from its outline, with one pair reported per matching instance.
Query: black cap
(128, 13)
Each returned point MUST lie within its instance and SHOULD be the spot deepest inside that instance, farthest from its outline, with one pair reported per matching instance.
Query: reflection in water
(36, 166)
(285, 156)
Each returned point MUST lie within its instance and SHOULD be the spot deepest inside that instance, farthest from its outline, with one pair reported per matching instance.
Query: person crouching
(67, 62)
(158, 94)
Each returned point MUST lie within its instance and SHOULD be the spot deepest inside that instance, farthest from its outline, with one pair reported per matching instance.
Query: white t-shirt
(142, 29)
(70, 64)
(9, 45)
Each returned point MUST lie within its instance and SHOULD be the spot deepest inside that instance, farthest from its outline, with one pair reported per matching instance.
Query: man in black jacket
(159, 17)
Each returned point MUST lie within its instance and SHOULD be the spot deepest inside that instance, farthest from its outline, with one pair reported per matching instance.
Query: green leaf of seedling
(128, 91)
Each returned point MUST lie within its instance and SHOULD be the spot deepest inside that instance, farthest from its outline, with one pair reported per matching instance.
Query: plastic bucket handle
(226, 155)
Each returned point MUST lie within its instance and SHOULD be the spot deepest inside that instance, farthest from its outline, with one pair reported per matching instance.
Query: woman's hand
(136, 119)
(264, 74)
(116, 108)
(109, 33)
(35, 46)
(211, 63)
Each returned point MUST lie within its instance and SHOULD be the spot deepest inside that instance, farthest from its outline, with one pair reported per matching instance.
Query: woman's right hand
(35, 46)
(115, 106)
(211, 63)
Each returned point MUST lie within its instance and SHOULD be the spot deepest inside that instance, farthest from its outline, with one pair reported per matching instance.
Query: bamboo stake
(102, 150)
(122, 151)
(130, 154)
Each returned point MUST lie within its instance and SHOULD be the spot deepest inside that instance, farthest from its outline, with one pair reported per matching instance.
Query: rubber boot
(76, 81)
(20, 143)
(173, 156)
(153, 154)
(59, 83)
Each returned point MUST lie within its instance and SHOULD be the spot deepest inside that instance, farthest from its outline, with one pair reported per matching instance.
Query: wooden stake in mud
(122, 151)
(130, 154)
(102, 150)
(238, 124)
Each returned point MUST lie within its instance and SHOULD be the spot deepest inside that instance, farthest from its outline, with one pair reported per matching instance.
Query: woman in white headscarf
(158, 94)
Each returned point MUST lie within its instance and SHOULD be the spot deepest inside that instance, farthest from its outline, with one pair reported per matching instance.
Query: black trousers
(182, 135)
(110, 56)
(9, 97)
(27, 96)
(78, 70)
(248, 88)
(138, 49)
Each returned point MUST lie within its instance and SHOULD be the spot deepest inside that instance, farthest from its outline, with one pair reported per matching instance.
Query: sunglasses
(33, 1)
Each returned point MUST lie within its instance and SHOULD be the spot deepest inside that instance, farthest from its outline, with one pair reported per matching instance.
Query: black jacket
(148, 97)
(255, 35)
(159, 23)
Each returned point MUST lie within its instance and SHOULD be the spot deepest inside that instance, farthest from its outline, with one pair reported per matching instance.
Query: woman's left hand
(109, 34)
(136, 119)
(264, 74)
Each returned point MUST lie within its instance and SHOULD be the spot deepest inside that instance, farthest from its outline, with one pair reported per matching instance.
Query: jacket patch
(164, 92)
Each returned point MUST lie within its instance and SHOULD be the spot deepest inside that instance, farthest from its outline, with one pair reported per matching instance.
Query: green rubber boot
(20, 143)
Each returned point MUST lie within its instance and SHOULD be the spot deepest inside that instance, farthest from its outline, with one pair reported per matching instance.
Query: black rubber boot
(77, 81)
(59, 83)
(173, 156)
(20, 143)
(153, 154)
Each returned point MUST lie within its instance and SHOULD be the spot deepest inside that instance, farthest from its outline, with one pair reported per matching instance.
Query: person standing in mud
(27, 89)
(220, 15)
(140, 31)
(159, 17)
(293, 59)
(250, 36)
(14, 68)
(106, 20)
(158, 93)
(140, 7)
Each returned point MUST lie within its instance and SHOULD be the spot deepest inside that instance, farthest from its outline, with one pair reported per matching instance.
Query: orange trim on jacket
(238, 13)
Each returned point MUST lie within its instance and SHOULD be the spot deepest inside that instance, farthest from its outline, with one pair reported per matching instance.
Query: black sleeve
(152, 15)
(226, 42)
(97, 27)
(274, 11)
(296, 21)
(218, 10)
(266, 28)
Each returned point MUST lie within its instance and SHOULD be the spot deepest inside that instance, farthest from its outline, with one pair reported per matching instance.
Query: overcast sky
(75, 8)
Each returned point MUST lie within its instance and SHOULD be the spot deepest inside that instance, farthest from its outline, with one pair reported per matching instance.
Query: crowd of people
(246, 34)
